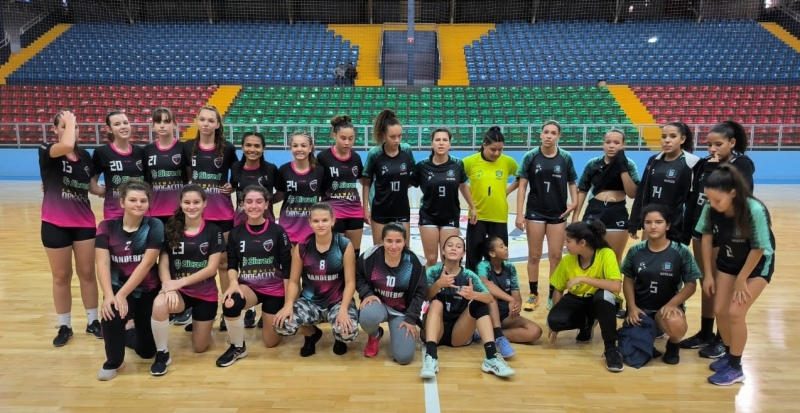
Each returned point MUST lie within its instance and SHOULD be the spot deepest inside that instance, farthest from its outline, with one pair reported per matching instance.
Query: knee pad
(478, 309)
(236, 309)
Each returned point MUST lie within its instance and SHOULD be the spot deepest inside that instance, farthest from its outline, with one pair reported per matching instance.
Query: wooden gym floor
(36, 377)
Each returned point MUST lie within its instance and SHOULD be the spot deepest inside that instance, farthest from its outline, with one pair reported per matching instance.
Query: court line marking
(432, 396)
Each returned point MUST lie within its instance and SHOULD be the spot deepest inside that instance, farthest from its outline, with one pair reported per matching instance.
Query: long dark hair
(219, 134)
(726, 178)
(340, 122)
(732, 130)
(383, 121)
(493, 135)
(665, 213)
(176, 224)
(594, 234)
(686, 131)
(554, 123)
(399, 228)
(110, 134)
(437, 130)
(243, 159)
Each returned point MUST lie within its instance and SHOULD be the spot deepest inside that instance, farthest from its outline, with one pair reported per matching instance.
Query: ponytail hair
(243, 159)
(176, 224)
(733, 130)
(593, 233)
(726, 178)
(448, 239)
(110, 134)
(554, 123)
(383, 121)
(399, 228)
(493, 135)
(321, 206)
(686, 131)
(340, 122)
(257, 188)
(615, 130)
(664, 211)
(488, 246)
(219, 134)
(135, 186)
(440, 130)
(312, 160)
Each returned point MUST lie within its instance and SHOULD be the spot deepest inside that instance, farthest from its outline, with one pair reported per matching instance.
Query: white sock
(160, 333)
(91, 315)
(65, 320)
(236, 331)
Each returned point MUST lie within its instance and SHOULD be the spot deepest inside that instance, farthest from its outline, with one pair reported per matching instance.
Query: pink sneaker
(373, 344)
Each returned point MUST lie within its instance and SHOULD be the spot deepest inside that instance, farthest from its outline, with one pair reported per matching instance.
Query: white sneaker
(430, 366)
(497, 366)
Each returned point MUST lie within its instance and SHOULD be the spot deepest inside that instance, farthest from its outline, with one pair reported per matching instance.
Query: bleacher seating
(34, 105)
(662, 52)
(769, 106)
(189, 54)
(461, 107)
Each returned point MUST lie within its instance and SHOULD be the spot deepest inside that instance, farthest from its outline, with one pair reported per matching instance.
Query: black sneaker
(261, 322)
(183, 318)
(159, 367)
(234, 353)
(696, 341)
(339, 348)
(613, 360)
(671, 357)
(586, 334)
(222, 325)
(310, 345)
(250, 319)
(64, 334)
(95, 329)
(188, 328)
(713, 350)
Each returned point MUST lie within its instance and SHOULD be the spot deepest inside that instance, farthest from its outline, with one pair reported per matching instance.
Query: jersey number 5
(654, 287)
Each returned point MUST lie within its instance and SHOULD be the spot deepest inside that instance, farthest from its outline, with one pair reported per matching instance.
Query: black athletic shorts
(270, 304)
(54, 236)
(544, 219)
(225, 225)
(721, 267)
(427, 220)
(202, 310)
(614, 215)
(385, 221)
(348, 224)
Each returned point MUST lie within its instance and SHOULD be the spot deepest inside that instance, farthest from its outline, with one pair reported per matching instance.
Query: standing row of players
(168, 164)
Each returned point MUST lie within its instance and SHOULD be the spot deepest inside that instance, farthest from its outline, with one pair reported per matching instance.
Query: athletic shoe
(504, 347)
(430, 366)
(106, 375)
(188, 328)
(696, 341)
(339, 347)
(532, 303)
(64, 334)
(250, 318)
(310, 344)
(234, 353)
(719, 363)
(159, 367)
(672, 358)
(622, 313)
(549, 304)
(261, 322)
(183, 318)
(727, 376)
(476, 337)
(613, 360)
(586, 334)
(373, 344)
(660, 334)
(714, 350)
(95, 329)
(497, 366)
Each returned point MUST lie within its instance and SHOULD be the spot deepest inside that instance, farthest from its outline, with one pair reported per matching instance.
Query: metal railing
(518, 136)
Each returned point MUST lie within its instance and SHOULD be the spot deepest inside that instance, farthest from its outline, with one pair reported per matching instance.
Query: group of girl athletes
(153, 259)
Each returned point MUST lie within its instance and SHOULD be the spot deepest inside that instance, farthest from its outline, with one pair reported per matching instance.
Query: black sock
(498, 332)
(673, 348)
(610, 344)
(430, 348)
(490, 348)
(727, 349)
(707, 327)
(534, 286)
(735, 361)
(552, 289)
(718, 336)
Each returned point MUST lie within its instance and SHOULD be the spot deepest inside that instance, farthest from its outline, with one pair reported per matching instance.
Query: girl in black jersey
(187, 267)
(126, 250)
(552, 176)
(299, 187)
(440, 177)
(739, 225)
(118, 162)
(343, 168)
(252, 169)
(392, 286)
(660, 275)
(727, 143)
(259, 256)
(211, 159)
(68, 224)
(389, 167)
(166, 167)
(667, 178)
(611, 178)
(326, 264)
